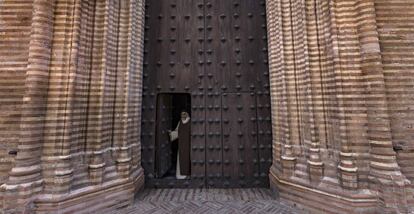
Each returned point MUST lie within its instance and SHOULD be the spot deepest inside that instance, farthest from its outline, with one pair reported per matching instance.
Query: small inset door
(169, 108)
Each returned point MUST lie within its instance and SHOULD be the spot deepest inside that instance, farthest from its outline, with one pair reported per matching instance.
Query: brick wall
(341, 101)
(396, 33)
(73, 110)
(15, 28)
(396, 37)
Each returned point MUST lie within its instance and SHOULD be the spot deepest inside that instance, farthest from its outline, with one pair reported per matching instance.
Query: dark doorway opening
(169, 107)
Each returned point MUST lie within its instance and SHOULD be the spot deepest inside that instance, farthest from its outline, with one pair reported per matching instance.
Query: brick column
(315, 163)
(288, 91)
(342, 38)
(26, 179)
(135, 68)
(384, 169)
(276, 86)
(96, 111)
(56, 157)
(121, 141)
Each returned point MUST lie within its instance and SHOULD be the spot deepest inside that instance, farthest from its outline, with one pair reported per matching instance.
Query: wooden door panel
(214, 165)
(241, 167)
(264, 124)
(198, 151)
(163, 144)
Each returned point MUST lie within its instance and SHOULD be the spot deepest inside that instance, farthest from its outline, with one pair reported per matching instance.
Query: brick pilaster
(25, 178)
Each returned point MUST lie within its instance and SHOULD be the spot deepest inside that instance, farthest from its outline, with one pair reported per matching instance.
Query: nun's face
(184, 115)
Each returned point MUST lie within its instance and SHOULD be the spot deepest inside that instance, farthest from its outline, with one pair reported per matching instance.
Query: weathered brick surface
(15, 25)
(76, 121)
(396, 37)
(341, 75)
(336, 73)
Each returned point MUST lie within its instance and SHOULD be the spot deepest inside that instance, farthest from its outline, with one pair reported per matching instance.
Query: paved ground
(214, 201)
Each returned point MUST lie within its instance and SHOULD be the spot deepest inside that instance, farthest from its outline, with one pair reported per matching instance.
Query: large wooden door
(215, 50)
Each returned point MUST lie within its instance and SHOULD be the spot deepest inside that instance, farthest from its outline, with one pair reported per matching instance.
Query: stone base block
(103, 198)
(318, 200)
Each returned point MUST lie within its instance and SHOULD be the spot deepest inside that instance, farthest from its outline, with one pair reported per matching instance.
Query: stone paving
(214, 201)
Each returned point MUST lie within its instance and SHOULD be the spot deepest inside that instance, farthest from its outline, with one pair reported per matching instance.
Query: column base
(19, 198)
(395, 193)
(320, 199)
(105, 198)
(288, 166)
(316, 171)
(348, 178)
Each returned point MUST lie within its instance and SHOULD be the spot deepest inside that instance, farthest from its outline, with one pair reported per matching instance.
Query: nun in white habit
(182, 134)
